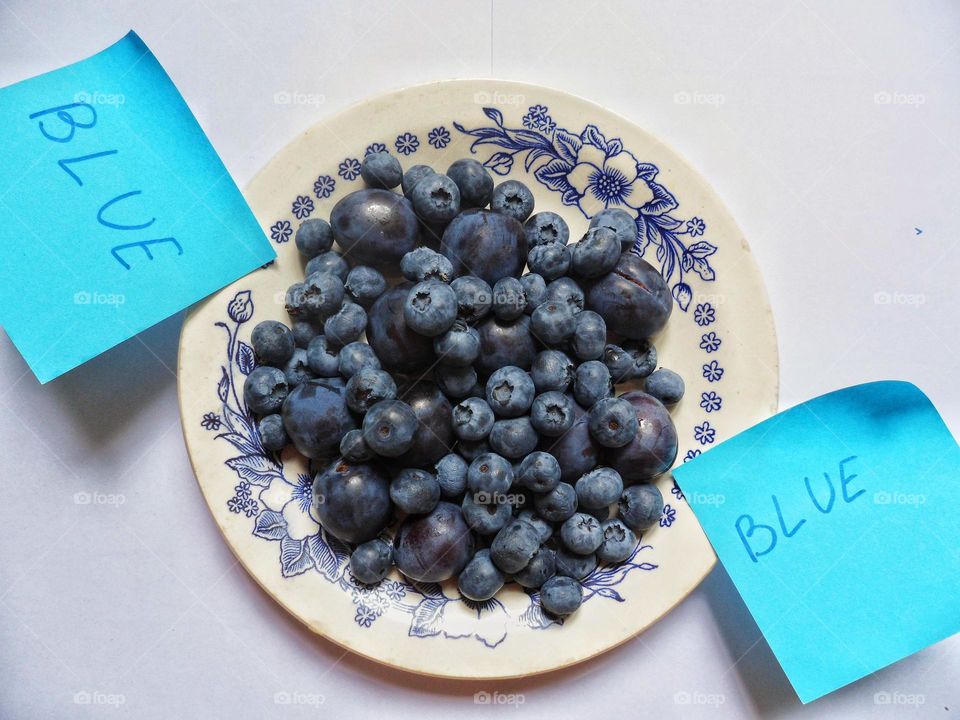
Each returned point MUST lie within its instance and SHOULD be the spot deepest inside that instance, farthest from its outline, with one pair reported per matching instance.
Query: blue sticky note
(839, 522)
(115, 210)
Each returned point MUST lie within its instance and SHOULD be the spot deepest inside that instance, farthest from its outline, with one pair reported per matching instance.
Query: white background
(144, 602)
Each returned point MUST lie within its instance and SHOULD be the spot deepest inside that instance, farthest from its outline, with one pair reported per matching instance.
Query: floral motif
(712, 371)
(211, 421)
(376, 147)
(704, 314)
(592, 172)
(407, 143)
(704, 434)
(710, 401)
(242, 490)
(281, 231)
(710, 342)
(302, 207)
(691, 454)
(324, 186)
(668, 517)
(251, 507)
(676, 491)
(349, 169)
(696, 227)
(240, 308)
(439, 137)
(365, 616)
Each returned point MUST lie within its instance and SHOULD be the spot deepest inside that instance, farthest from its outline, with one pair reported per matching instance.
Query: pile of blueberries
(476, 432)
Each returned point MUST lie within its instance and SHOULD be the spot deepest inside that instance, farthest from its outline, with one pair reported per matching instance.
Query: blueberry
(303, 332)
(480, 580)
(272, 435)
(459, 346)
(552, 413)
(435, 547)
(552, 370)
(272, 343)
(474, 297)
(381, 170)
(475, 183)
(485, 518)
(574, 565)
(320, 296)
(364, 285)
(505, 343)
(354, 448)
(654, 448)
(550, 261)
(553, 322)
(566, 290)
(589, 337)
(399, 348)
(591, 382)
(376, 227)
(513, 438)
(415, 491)
(514, 545)
(599, 488)
(368, 386)
(315, 416)
(575, 450)
(512, 198)
(509, 298)
(561, 595)
(434, 436)
(436, 198)
(314, 236)
(323, 359)
(623, 224)
(345, 325)
(581, 533)
(618, 543)
(293, 302)
(510, 392)
(430, 308)
(644, 356)
(455, 381)
(535, 288)
(640, 506)
(371, 561)
(354, 356)
(596, 254)
(414, 175)
(666, 386)
(389, 426)
(297, 368)
(539, 471)
(352, 500)
(544, 529)
(486, 244)
(619, 362)
(489, 474)
(633, 299)
(542, 567)
(426, 264)
(452, 475)
(265, 389)
(472, 419)
(613, 423)
(329, 263)
(546, 227)
(558, 504)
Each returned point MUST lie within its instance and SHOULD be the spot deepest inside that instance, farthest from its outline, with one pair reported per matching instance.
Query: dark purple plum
(654, 448)
(315, 416)
(505, 343)
(575, 450)
(434, 437)
(486, 244)
(399, 348)
(352, 500)
(375, 227)
(633, 298)
(434, 547)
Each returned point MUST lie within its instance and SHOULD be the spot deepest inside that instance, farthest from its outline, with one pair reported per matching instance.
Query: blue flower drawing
(302, 207)
(349, 169)
(712, 371)
(281, 231)
(407, 143)
(376, 147)
(211, 421)
(676, 491)
(704, 314)
(710, 401)
(439, 137)
(324, 186)
(669, 515)
(704, 434)
(710, 342)
(691, 454)
(696, 227)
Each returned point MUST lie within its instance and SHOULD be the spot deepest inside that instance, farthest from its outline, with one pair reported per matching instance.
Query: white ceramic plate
(575, 156)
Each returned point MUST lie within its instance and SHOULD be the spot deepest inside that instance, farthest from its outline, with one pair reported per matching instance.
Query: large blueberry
(654, 448)
(352, 500)
(315, 416)
(399, 348)
(633, 298)
(486, 244)
(375, 227)
(434, 547)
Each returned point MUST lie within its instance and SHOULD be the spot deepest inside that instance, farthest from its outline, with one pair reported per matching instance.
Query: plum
(398, 347)
(434, 547)
(654, 448)
(434, 436)
(315, 416)
(375, 227)
(486, 244)
(505, 343)
(575, 450)
(633, 298)
(352, 500)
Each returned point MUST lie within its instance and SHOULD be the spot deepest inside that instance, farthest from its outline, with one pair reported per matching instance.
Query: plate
(576, 157)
